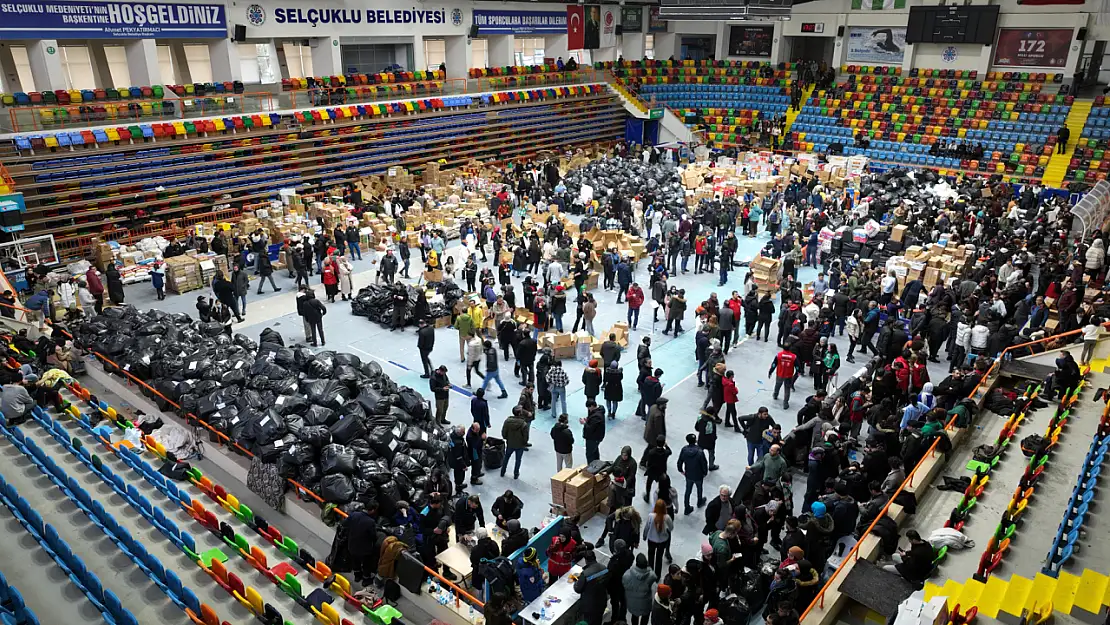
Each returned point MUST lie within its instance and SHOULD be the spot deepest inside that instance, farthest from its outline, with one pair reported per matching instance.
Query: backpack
(499, 573)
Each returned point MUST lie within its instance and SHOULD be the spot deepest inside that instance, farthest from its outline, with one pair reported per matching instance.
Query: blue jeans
(243, 302)
(319, 265)
(701, 370)
(592, 451)
(611, 406)
(724, 274)
(633, 317)
(505, 461)
(690, 485)
(355, 249)
(493, 375)
(755, 450)
(558, 395)
(559, 323)
(685, 261)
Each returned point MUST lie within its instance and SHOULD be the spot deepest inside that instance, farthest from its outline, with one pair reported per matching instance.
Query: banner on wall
(632, 19)
(750, 40)
(655, 23)
(608, 27)
(1024, 47)
(880, 46)
(520, 22)
(591, 35)
(62, 19)
(576, 27)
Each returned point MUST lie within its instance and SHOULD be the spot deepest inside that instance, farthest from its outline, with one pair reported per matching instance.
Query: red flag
(576, 27)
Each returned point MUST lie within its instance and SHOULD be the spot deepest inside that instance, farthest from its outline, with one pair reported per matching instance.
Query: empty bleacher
(1091, 160)
(1012, 116)
(82, 183)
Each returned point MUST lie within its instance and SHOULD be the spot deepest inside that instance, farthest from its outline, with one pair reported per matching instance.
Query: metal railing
(363, 94)
(76, 247)
(122, 112)
(853, 555)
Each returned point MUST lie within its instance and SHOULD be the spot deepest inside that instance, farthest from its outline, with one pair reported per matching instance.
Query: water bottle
(543, 614)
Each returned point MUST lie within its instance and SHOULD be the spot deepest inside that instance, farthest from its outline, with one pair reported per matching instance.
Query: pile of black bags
(335, 424)
(375, 302)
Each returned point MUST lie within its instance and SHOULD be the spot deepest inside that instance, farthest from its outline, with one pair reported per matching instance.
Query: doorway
(818, 49)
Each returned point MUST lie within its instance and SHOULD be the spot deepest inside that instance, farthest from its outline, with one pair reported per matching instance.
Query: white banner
(878, 45)
(610, 17)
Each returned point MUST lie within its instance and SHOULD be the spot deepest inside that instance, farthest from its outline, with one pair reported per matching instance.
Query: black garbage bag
(302, 356)
(327, 393)
(347, 429)
(315, 435)
(289, 404)
(338, 459)
(288, 463)
(376, 471)
(195, 366)
(245, 342)
(337, 488)
(346, 375)
(264, 427)
(268, 370)
(112, 345)
(271, 451)
(362, 449)
(310, 475)
(217, 400)
(493, 453)
(285, 386)
(251, 398)
(239, 424)
(381, 440)
(411, 402)
(294, 424)
(319, 415)
(234, 377)
(421, 457)
(406, 463)
(322, 365)
(270, 335)
(372, 401)
(418, 439)
(349, 360)
(353, 409)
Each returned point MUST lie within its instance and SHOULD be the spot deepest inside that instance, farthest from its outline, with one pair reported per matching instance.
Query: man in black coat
(592, 586)
(654, 462)
(312, 311)
(505, 508)
(693, 465)
(469, 515)
(362, 544)
(425, 342)
(619, 563)
(526, 356)
(593, 431)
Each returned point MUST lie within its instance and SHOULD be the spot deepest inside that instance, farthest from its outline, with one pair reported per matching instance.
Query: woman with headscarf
(926, 396)
(329, 275)
(560, 555)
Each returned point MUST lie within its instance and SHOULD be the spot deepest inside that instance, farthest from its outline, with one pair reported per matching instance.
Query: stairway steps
(1017, 591)
(972, 592)
(1063, 598)
(1058, 165)
(990, 600)
(1090, 595)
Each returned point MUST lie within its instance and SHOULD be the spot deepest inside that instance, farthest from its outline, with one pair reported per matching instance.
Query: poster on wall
(655, 23)
(61, 19)
(609, 26)
(520, 22)
(880, 46)
(591, 37)
(632, 19)
(750, 40)
(1023, 47)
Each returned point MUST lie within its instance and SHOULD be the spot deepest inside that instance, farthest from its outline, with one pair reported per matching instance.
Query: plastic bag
(289, 404)
(347, 376)
(327, 393)
(322, 365)
(337, 488)
(270, 335)
(264, 427)
(405, 463)
(315, 435)
(349, 360)
(347, 429)
(412, 403)
(338, 459)
(271, 451)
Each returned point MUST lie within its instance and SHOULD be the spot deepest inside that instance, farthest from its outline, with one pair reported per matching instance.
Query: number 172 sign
(1023, 47)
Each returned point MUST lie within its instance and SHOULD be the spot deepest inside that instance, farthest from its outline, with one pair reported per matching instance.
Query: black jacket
(591, 381)
(526, 350)
(439, 385)
(655, 459)
(594, 428)
(467, 520)
(508, 507)
(426, 338)
(563, 438)
(311, 308)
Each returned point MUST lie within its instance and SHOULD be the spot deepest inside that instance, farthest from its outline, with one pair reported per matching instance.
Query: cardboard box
(564, 352)
(434, 275)
(898, 233)
(444, 321)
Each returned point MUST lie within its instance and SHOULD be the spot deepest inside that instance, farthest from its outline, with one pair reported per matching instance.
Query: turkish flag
(576, 27)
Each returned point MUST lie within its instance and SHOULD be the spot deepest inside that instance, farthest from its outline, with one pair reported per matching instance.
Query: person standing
(492, 371)
(475, 441)
(783, 369)
(563, 440)
(765, 312)
(591, 380)
(693, 465)
(458, 456)
(706, 427)
(639, 587)
(115, 285)
(329, 275)
(299, 265)
(387, 267)
(479, 410)
(441, 389)
(157, 280)
(464, 324)
(425, 342)
(654, 462)
(619, 564)
(515, 431)
(346, 277)
(312, 312)
(613, 383)
(240, 281)
(754, 426)
(557, 381)
(675, 312)
(1062, 136)
(593, 431)
(224, 291)
(635, 301)
(657, 533)
(351, 235)
(400, 308)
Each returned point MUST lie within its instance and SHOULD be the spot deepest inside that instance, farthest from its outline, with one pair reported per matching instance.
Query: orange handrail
(226, 440)
(367, 94)
(819, 600)
(553, 79)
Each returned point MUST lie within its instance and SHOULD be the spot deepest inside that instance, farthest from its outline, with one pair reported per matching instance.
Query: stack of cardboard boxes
(183, 274)
(932, 264)
(765, 272)
(625, 244)
(580, 492)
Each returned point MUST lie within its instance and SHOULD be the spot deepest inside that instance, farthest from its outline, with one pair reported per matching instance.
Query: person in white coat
(67, 293)
(346, 277)
(1096, 257)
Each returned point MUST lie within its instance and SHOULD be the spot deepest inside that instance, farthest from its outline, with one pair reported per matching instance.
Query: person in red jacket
(737, 306)
(699, 253)
(635, 299)
(729, 384)
(783, 369)
(901, 368)
(96, 287)
(330, 276)
(560, 555)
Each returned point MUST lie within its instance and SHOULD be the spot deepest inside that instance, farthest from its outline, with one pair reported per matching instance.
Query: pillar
(46, 65)
(268, 68)
(555, 46)
(501, 49)
(327, 58)
(224, 56)
(456, 54)
(11, 81)
(666, 46)
(632, 46)
(182, 75)
(101, 71)
(419, 61)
